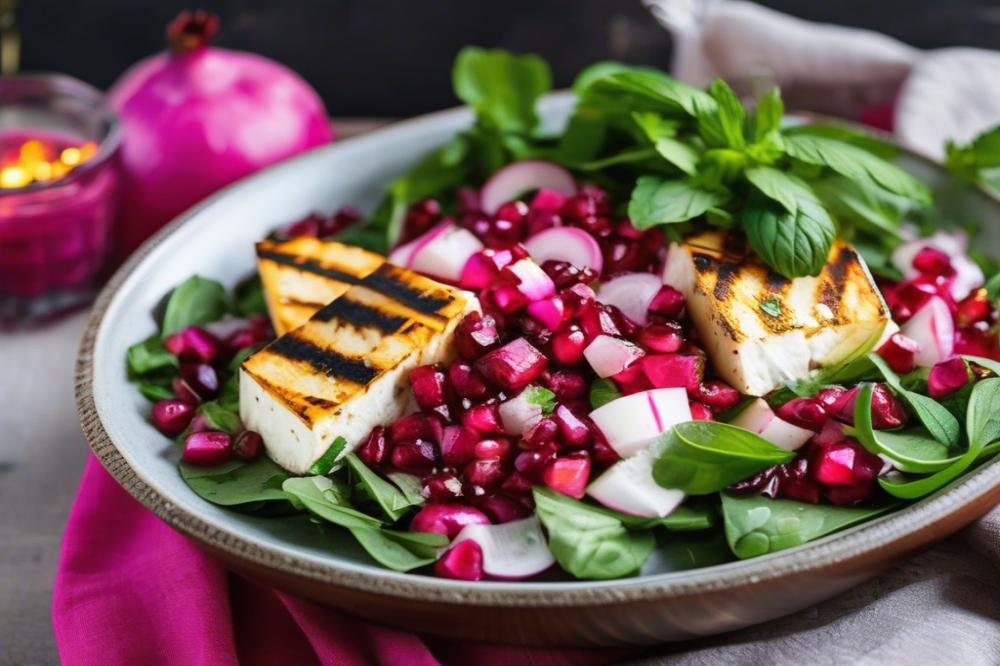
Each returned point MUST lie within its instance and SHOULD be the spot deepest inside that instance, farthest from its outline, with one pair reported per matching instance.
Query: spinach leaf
(248, 297)
(325, 462)
(911, 450)
(702, 457)
(193, 302)
(794, 245)
(149, 356)
(328, 500)
(236, 483)
(757, 525)
(220, 418)
(398, 551)
(689, 550)
(154, 391)
(603, 391)
(685, 518)
(390, 498)
(940, 423)
(410, 485)
(656, 201)
(589, 543)
(502, 87)
(988, 363)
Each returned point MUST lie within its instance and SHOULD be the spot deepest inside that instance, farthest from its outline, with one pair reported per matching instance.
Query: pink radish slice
(968, 276)
(511, 550)
(515, 179)
(628, 486)
(518, 414)
(569, 244)
(609, 355)
(632, 422)
(631, 293)
(401, 254)
(534, 283)
(760, 419)
(934, 330)
(443, 252)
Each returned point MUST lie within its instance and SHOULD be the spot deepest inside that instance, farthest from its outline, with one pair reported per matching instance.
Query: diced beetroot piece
(412, 427)
(488, 473)
(806, 413)
(566, 384)
(465, 381)
(573, 430)
(484, 419)
(850, 495)
(550, 201)
(171, 417)
(577, 297)
(476, 335)
(700, 412)
(201, 378)
(718, 395)
(565, 274)
(498, 448)
(428, 384)
(542, 434)
(934, 262)
(516, 484)
(463, 561)
(609, 355)
(506, 298)
(595, 319)
(899, 353)
(674, 370)
(183, 391)
(632, 380)
(832, 431)
(458, 445)
(550, 312)
(973, 309)
(833, 465)
(568, 344)
(447, 519)
(601, 453)
(207, 448)
(193, 343)
(664, 338)
(887, 410)
(416, 457)
(442, 487)
(796, 484)
(668, 302)
(502, 509)
(513, 366)
(373, 452)
(947, 377)
(569, 475)
(532, 464)
(248, 445)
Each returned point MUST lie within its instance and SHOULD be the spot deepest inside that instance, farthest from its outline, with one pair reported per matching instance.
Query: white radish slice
(760, 419)
(401, 254)
(631, 423)
(443, 251)
(631, 293)
(535, 283)
(569, 244)
(609, 355)
(968, 276)
(515, 179)
(934, 330)
(510, 550)
(518, 414)
(628, 486)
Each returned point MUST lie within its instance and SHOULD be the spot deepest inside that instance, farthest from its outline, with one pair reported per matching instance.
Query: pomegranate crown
(191, 30)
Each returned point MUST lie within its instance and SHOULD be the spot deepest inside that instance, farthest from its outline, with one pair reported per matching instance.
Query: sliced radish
(511, 550)
(402, 254)
(759, 418)
(628, 486)
(934, 330)
(569, 244)
(443, 251)
(534, 283)
(515, 179)
(609, 355)
(631, 293)
(968, 274)
(518, 414)
(631, 423)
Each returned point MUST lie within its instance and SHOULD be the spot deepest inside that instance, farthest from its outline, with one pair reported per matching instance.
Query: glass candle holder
(59, 190)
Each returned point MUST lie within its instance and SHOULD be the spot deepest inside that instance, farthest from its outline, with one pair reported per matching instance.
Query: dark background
(393, 57)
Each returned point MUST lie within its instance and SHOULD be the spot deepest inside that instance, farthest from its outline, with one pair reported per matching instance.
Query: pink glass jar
(55, 234)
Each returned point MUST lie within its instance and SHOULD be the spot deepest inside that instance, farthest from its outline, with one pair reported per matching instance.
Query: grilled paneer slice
(302, 275)
(346, 369)
(761, 329)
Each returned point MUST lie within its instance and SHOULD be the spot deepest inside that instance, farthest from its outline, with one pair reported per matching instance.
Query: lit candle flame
(37, 162)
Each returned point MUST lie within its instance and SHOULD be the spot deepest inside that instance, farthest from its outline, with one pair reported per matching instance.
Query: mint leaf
(541, 397)
(781, 186)
(502, 87)
(768, 114)
(656, 201)
(771, 307)
(650, 90)
(793, 245)
(726, 125)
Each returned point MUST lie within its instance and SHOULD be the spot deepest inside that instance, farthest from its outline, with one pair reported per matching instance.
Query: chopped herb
(771, 307)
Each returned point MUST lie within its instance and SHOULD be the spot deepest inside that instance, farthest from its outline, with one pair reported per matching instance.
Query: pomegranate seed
(850, 495)
(887, 410)
(476, 335)
(622, 255)
(947, 377)
(339, 221)
(668, 302)
(573, 430)
(414, 457)
(569, 475)
(483, 418)
(807, 413)
(532, 464)
(446, 519)
(542, 434)
(977, 341)
(515, 211)
(832, 431)
(412, 427)
(193, 344)
(830, 396)
(674, 370)
(568, 344)
(539, 220)
(517, 484)
(603, 455)
(171, 417)
(699, 412)
(596, 319)
(596, 225)
(577, 297)
(241, 339)
(307, 226)
(248, 445)
(764, 482)
(442, 487)
(932, 261)
(973, 309)
(458, 445)
(534, 331)
(663, 338)
(632, 379)
(565, 274)
(486, 473)
(465, 381)
(502, 509)
(374, 450)
(899, 353)
(201, 378)
(718, 395)
(580, 206)
(184, 392)
(427, 382)
(513, 366)
(794, 482)
(547, 200)
(468, 199)
(566, 384)
(463, 561)
(493, 448)
(209, 447)
(420, 218)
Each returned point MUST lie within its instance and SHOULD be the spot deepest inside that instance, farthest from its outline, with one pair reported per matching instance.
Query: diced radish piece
(968, 276)
(932, 328)
(568, 475)
(513, 366)
(759, 418)
(628, 486)
(518, 414)
(512, 550)
(631, 293)
(609, 355)
(515, 179)
(674, 370)
(443, 252)
(570, 244)
(549, 311)
(631, 423)
(533, 282)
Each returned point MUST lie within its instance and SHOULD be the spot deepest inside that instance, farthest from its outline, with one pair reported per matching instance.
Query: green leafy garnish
(389, 498)
(149, 356)
(236, 483)
(325, 462)
(193, 302)
(939, 422)
(541, 397)
(771, 307)
(219, 418)
(603, 391)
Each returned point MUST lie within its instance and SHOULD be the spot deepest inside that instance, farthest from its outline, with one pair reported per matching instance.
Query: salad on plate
(680, 331)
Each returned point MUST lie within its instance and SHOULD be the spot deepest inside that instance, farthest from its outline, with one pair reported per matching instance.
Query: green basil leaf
(603, 391)
(793, 245)
(847, 134)
(193, 302)
(656, 201)
(149, 356)
(325, 462)
(589, 543)
(940, 423)
(327, 499)
(757, 525)
(857, 164)
(236, 483)
(702, 457)
(869, 208)
(649, 90)
(729, 121)
(783, 187)
(220, 418)
(502, 87)
(390, 498)
(768, 114)
(392, 549)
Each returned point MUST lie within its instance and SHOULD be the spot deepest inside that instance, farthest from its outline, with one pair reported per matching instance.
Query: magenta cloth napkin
(131, 590)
